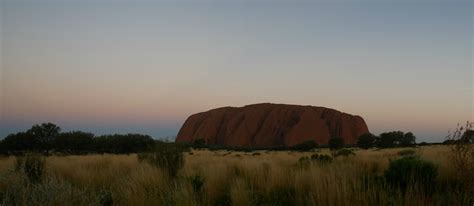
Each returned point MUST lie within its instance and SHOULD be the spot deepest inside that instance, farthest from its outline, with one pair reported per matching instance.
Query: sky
(144, 66)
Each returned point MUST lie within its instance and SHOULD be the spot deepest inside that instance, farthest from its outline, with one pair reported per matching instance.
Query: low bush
(320, 159)
(411, 171)
(344, 152)
(32, 165)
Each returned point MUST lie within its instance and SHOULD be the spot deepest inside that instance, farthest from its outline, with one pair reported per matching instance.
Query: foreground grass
(228, 178)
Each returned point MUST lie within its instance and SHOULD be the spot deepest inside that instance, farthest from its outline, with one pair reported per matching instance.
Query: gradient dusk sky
(140, 66)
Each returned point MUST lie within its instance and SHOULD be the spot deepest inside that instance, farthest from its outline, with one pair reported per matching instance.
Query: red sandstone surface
(271, 125)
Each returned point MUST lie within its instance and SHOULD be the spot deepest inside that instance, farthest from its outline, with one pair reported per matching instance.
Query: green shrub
(410, 171)
(168, 156)
(407, 152)
(32, 165)
(344, 153)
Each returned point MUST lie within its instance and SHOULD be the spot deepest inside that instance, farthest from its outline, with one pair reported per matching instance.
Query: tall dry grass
(235, 178)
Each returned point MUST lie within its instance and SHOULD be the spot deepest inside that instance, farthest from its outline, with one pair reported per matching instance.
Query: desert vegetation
(161, 173)
(426, 176)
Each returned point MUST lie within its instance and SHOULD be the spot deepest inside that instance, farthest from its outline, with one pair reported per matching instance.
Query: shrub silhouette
(32, 165)
(304, 146)
(167, 156)
(336, 143)
(411, 171)
(324, 159)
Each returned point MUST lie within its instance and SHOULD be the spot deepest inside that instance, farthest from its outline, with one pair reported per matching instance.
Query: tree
(366, 141)
(336, 143)
(389, 139)
(407, 140)
(44, 134)
(73, 142)
(19, 142)
(396, 139)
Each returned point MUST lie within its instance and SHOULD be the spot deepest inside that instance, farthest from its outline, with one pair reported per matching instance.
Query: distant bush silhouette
(199, 143)
(336, 143)
(366, 141)
(304, 146)
(396, 139)
(47, 137)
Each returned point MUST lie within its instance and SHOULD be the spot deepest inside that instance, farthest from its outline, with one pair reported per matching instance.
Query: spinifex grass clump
(411, 171)
(344, 152)
(322, 159)
(168, 156)
(32, 165)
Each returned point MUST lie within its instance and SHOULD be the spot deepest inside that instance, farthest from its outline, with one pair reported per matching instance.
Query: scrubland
(231, 178)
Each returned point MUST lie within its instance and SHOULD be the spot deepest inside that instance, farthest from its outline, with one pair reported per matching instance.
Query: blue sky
(144, 66)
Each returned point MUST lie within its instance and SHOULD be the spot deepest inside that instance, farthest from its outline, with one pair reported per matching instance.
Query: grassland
(228, 178)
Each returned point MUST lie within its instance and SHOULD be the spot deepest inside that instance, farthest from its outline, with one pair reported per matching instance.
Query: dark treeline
(47, 138)
(387, 140)
(384, 140)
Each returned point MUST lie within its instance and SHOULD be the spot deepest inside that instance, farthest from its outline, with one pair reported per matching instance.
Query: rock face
(271, 125)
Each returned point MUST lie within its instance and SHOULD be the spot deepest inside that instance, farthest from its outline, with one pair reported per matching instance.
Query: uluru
(271, 125)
